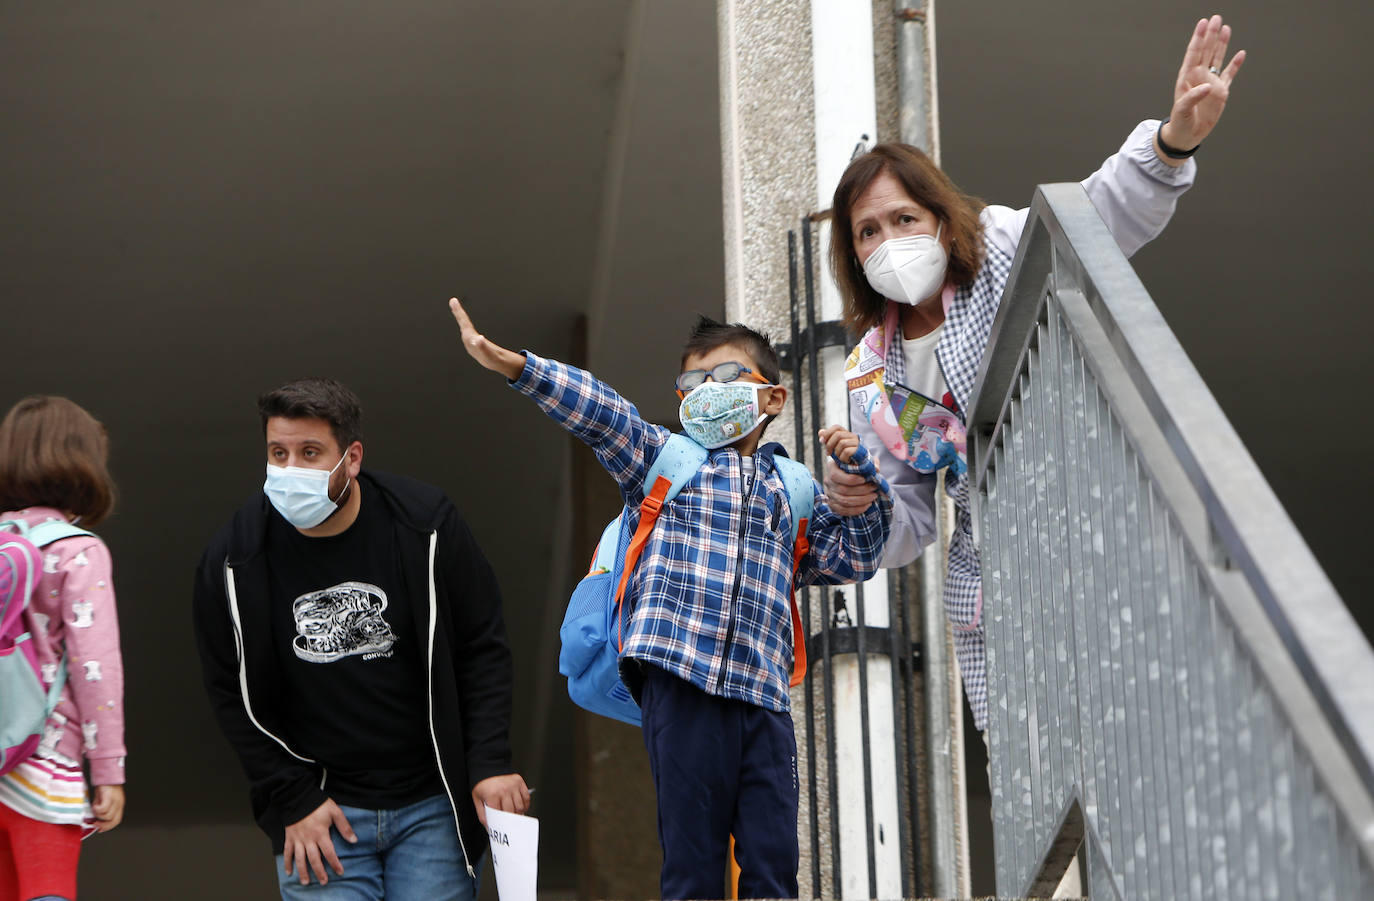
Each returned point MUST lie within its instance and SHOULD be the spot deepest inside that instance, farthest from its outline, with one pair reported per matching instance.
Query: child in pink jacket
(53, 466)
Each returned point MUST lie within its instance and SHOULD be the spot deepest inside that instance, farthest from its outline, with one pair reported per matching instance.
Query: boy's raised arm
(574, 398)
(488, 353)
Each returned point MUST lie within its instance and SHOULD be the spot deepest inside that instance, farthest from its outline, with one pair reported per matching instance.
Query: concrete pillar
(797, 94)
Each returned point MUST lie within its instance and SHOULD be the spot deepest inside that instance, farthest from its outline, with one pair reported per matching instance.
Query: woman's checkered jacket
(1135, 193)
(712, 590)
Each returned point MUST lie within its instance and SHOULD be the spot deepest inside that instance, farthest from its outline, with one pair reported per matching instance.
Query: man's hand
(848, 494)
(508, 793)
(1202, 87)
(491, 355)
(108, 806)
(308, 843)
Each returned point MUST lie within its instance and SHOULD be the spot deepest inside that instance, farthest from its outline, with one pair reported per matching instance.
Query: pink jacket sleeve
(95, 669)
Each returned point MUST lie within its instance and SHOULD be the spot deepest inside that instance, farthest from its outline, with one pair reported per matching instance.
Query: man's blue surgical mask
(301, 495)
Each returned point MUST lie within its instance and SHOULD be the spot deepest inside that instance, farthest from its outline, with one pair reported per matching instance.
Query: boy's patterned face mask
(715, 414)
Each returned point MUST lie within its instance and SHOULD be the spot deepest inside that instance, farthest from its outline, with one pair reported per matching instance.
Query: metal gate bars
(859, 734)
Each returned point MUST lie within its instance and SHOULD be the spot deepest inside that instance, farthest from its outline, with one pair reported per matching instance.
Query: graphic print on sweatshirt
(342, 621)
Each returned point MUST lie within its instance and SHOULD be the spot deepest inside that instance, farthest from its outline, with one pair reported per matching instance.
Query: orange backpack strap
(798, 636)
(677, 462)
(648, 515)
(801, 487)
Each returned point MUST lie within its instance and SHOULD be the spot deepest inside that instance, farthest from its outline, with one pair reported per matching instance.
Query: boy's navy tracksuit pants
(720, 768)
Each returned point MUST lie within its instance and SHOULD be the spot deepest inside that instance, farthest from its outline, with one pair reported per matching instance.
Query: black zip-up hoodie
(456, 607)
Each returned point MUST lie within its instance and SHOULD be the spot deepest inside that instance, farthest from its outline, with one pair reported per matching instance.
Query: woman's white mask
(908, 270)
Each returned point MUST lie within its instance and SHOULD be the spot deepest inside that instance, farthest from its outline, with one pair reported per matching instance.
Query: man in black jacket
(353, 647)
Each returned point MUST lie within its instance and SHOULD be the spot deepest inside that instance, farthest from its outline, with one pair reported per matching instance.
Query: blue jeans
(408, 854)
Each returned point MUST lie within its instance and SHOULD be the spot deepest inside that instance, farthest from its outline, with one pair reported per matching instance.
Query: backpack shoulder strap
(679, 460)
(801, 496)
(46, 533)
(20, 564)
(676, 463)
(801, 493)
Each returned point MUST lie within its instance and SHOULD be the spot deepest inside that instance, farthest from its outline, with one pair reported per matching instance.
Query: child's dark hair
(708, 334)
(316, 399)
(53, 454)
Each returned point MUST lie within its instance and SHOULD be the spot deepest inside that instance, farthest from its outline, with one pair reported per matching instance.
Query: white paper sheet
(514, 854)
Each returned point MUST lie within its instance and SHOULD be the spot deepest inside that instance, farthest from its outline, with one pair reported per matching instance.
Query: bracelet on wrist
(1172, 153)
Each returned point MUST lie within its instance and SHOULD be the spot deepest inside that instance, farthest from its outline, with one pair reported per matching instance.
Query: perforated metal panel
(1160, 641)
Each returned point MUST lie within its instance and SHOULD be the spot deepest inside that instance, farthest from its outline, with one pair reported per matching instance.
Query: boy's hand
(492, 356)
(839, 442)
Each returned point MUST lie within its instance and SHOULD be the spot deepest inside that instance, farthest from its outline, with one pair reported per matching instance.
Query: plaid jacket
(1135, 193)
(712, 590)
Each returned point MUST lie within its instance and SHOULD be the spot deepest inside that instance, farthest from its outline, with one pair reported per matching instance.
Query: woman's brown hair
(53, 454)
(926, 184)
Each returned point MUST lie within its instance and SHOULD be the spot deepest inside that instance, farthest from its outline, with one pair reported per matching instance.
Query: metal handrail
(1072, 286)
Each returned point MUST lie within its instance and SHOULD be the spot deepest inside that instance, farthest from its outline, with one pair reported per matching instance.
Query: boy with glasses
(708, 651)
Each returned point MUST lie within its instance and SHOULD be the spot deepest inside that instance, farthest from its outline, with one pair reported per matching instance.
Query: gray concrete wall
(204, 199)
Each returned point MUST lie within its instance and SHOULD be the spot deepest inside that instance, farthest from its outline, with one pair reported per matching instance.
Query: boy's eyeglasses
(723, 372)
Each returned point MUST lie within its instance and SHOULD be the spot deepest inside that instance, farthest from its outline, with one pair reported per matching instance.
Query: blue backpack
(25, 704)
(593, 628)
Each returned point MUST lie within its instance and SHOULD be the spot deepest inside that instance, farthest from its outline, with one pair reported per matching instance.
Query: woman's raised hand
(1203, 85)
(491, 355)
